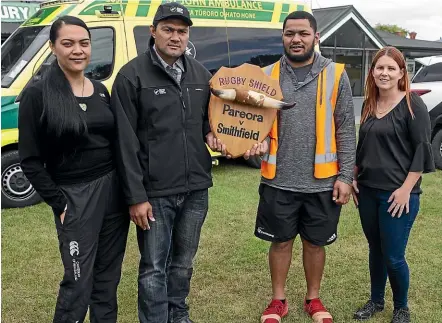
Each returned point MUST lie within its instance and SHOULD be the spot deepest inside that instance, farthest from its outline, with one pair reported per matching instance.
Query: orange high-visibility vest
(326, 159)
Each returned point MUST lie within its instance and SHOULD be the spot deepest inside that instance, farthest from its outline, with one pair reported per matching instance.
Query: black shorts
(283, 214)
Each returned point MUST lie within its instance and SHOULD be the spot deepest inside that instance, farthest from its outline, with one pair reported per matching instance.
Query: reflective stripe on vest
(326, 159)
(326, 162)
(268, 164)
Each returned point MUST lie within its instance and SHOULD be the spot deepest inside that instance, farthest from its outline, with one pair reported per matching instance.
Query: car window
(142, 36)
(256, 46)
(19, 49)
(103, 54)
(207, 44)
(431, 73)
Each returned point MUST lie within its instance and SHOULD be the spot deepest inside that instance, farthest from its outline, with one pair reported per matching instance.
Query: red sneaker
(275, 311)
(317, 311)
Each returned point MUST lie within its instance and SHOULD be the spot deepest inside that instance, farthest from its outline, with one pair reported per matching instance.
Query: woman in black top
(393, 151)
(66, 130)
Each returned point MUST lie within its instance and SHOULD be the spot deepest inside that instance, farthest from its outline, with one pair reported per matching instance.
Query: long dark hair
(63, 116)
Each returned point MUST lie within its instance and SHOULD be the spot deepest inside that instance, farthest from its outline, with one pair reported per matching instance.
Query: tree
(394, 29)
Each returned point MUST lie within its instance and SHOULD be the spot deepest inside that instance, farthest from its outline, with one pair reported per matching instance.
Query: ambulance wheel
(17, 191)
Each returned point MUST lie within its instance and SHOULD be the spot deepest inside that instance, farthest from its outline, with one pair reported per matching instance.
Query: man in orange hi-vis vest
(307, 167)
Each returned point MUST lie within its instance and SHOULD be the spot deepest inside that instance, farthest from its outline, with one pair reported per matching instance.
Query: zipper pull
(182, 100)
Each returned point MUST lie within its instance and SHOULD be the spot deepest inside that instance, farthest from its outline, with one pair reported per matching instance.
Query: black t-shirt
(394, 145)
(48, 161)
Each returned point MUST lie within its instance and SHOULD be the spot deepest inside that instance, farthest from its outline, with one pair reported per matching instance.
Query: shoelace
(316, 305)
(370, 306)
(401, 314)
(279, 308)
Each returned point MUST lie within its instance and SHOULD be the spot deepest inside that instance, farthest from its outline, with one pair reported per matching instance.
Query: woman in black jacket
(66, 130)
(393, 151)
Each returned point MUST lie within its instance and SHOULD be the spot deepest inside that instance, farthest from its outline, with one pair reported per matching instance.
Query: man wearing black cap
(160, 102)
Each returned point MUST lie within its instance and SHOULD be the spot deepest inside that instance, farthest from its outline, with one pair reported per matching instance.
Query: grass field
(231, 279)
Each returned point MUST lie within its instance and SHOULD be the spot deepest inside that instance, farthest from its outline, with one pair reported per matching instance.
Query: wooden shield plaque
(240, 125)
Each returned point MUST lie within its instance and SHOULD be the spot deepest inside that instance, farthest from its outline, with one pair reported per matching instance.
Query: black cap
(171, 10)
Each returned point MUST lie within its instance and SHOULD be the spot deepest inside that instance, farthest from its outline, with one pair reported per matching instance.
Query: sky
(421, 16)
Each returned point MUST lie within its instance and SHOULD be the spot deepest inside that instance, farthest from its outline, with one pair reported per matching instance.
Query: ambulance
(225, 33)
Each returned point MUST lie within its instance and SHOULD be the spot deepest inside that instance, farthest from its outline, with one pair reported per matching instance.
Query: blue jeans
(387, 239)
(167, 253)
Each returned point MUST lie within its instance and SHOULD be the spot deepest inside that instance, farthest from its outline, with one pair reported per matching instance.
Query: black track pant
(92, 244)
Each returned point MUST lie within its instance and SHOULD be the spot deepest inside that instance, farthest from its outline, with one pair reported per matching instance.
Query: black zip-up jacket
(161, 128)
